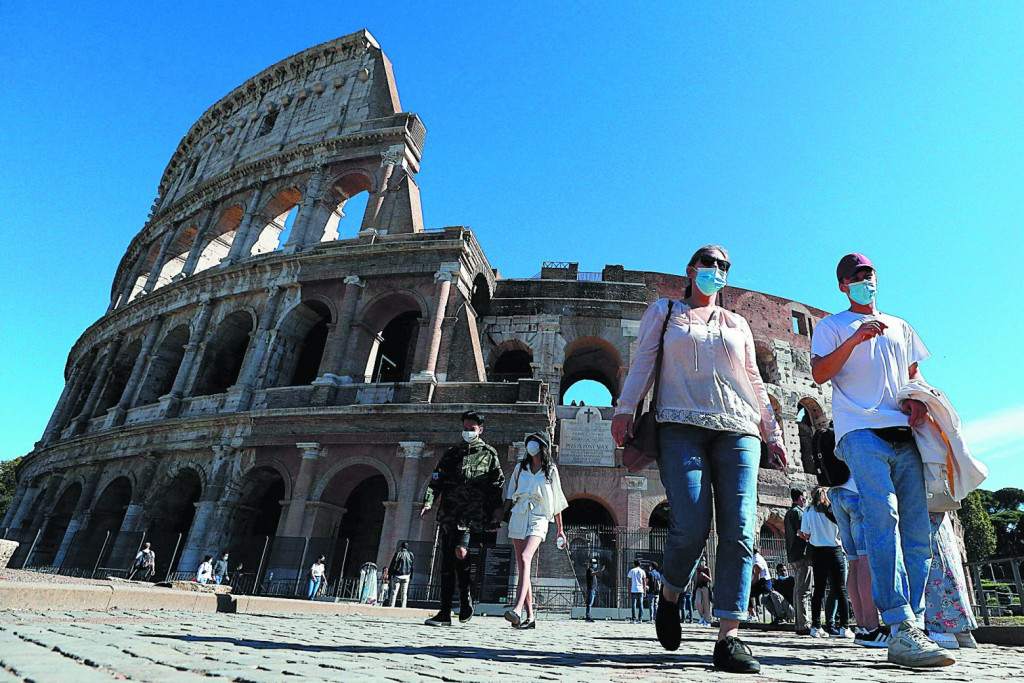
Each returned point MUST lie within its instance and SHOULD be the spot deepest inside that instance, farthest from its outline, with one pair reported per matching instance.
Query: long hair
(545, 460)
(696, 255)
(819, 499)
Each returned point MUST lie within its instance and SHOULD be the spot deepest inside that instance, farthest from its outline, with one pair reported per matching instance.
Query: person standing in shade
(654, 581)
(702, 592)
(205, 571)
(144, 565)
(799, 562)
(712, 414)
(400, 571)
(316, 578)
(869, 357)
(592, 571)
(686, 604)
(637, 579)
(220, 569)
(469, 483)
(820, 531)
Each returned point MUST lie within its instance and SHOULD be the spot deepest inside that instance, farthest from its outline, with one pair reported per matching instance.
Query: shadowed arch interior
(594, 359)
(164, 367)
(56, 527)
(225, 354)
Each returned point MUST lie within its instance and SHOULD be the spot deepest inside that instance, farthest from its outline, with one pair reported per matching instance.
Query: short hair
(636, 562)
(207, 558)
(780, 567)
(795, 494)
(654, 565)
(474, 416)
(405, 545)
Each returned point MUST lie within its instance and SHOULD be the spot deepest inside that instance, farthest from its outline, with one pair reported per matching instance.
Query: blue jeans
(591, 596)
(892, 499)
(694, 462)
(846, 508)
(686, 606)
(636, 602)
(653, 603)
(314, 586)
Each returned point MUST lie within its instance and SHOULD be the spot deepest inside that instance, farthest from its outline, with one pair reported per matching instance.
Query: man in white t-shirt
(868, 356)
(637, 578)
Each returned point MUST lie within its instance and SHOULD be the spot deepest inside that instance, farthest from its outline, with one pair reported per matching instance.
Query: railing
(589, 276)
(1001, 594)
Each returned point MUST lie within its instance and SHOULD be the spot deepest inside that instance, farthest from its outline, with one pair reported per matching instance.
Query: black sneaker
(439, 620)
(465, 612)
(876, 638)
(733, 656)
(667, 626)
(531, 623)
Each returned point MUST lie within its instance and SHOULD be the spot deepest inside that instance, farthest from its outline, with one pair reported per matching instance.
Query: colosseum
(287, 349)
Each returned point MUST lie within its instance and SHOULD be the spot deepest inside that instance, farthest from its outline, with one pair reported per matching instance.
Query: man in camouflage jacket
(470, 483)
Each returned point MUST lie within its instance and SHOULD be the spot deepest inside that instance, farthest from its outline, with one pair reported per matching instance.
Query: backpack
(654, 583)
(830, 470)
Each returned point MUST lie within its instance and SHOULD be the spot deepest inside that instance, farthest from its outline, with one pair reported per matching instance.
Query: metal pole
(1016, 580)
(32, 549)
(982, 602)
(341, 574)
(302, 558)
(100, 556)
(257, 584)
(170, 564)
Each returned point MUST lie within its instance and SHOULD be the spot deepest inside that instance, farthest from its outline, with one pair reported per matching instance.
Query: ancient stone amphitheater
(278, 371)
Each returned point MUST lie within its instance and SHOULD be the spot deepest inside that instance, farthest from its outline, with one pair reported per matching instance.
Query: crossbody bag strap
(657, 362)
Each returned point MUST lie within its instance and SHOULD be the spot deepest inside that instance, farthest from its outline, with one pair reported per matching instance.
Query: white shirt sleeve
(641, 371)
(769, 425)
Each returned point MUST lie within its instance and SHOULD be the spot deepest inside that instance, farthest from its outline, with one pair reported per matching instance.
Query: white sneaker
(966, 640)
(946, 640)
(910, 647)
(818, 633)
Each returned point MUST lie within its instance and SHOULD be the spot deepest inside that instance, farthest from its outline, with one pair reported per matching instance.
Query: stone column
(187, 369)
(67, 397)
(134, 519)
(426, 377)
(635, 485)
(97, 388)
(311, 452)
(158, 264)
(235, 254)
(254, 363)
(80, 516)
(41, 512)
(388, 542)
(331, 375)
(131, 389)
(196, 250)
(14, 511)
(126, 288)
(313, 194)
(209, 526)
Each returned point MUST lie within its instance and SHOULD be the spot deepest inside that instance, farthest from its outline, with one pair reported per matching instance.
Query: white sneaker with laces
(946, 640)
(910, 647)
(966, 640)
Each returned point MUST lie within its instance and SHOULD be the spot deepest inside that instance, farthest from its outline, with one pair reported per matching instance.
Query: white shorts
(524, 522)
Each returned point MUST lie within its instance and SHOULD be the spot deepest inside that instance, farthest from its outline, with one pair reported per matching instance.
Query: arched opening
(217, 242)
(93, 363)
(363, 520)
(94, 545)
(659, 516)
(173, 514)
(164, 367)
(346, 200)
(590, 529)
(225, 354)
(120, 373)
(587, 392)
(279, 214)
(301, 340)
(394, 349)
(259, 509)
(591, 358)
(480, 299)
(587, 512)
(767, 366)
(513, 365)
(56, 527)
(809, 418)
(149, 262)
(177, 254)
(772, 545)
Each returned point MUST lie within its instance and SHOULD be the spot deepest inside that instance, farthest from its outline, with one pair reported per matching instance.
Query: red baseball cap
(850, 264)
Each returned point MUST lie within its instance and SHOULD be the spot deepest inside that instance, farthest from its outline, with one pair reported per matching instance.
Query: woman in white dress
(534, 497)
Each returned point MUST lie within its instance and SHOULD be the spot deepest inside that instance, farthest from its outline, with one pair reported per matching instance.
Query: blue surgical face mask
(709, 280)
(863, 292)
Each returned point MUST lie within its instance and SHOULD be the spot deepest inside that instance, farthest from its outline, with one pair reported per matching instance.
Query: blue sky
(791, 133)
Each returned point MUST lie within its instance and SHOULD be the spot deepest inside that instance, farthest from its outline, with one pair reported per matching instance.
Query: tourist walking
(712, 411)
(220, 570)
(205, 571)
(799, 562)
(702, 592)
(869, 356)
(316, 578)
(592, 571)
(533, 500)
(654, 586)
(400, 573)
(144, 565)
(636, 579)
(829, 564)
(850, 520)
(469, 483)
(947, 614)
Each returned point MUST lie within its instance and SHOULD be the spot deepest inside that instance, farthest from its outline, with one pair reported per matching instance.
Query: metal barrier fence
(997, 588)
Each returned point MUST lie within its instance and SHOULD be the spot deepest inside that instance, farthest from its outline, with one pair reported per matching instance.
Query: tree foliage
(1009, 526)
(979, 532)
(7, 484)
(1008, 499)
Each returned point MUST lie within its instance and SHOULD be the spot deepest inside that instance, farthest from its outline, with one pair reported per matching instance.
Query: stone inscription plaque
(586, 440)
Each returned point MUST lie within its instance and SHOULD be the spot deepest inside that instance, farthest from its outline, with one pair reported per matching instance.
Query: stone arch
(57, 525)
(118, 375)
(348, 193)
(90, 379)
(299, 344)
(389, 334)
(659, 517)
(591, 358)
(173, 506)
(357, 461)
(271, 232)
(225, 353)
(480, 296)
(512, 361)
(177, 252)
(216, 243)
(146, 263)
(589, 509)
(767, 364)
(164, 366)
(810, 418)
(256, 498)
(360, 491)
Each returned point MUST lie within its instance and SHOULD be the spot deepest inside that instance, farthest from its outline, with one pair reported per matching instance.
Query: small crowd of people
(715, 428)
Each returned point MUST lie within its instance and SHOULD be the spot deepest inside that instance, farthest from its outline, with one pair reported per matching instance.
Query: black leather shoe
(532, 623)
(465, 612)
(734, 656)
(439, 620)
(666, 625)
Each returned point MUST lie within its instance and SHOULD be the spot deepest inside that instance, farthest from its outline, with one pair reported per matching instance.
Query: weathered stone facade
(260, 374)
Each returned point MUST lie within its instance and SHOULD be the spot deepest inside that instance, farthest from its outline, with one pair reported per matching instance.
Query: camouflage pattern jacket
(469, 480)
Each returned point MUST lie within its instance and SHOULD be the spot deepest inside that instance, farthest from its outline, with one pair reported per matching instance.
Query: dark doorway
(363, 522)
(393, 362)
(56, 527)
(512, 366)
(659, 517)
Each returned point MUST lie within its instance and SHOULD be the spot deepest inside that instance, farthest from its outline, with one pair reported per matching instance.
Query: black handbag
(641, 451)
(830, 470)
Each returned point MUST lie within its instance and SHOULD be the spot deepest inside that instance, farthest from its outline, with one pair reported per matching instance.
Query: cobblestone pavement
(167, 646)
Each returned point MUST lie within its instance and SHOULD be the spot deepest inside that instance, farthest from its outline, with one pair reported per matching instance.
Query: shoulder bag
(641, 451)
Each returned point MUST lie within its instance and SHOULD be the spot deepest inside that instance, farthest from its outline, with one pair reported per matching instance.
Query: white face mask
(470, 436)
(533, 448)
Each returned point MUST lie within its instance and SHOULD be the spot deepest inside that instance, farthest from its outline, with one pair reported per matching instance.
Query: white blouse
(709, 372)
(546, 496)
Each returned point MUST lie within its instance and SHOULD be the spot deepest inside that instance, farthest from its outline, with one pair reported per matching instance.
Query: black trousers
(452, 567)
(829, 566)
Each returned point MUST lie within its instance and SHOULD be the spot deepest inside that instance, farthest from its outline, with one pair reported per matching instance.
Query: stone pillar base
(238, 399)
(115, 417)
(7, 549)
(423, 385)
(170, 406)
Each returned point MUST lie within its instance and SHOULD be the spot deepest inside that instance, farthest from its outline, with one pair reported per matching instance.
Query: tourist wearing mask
(592, 571)
(533, 500)
(713, 411)
(829, 565)
(316, 578)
